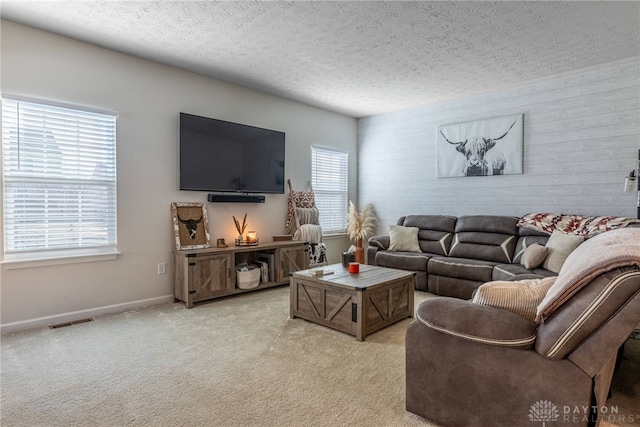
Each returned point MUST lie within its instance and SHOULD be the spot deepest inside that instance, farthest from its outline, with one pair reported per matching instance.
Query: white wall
(148, 97)
(581, 138)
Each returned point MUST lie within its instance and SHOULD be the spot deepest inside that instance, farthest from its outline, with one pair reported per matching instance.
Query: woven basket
(248, 279)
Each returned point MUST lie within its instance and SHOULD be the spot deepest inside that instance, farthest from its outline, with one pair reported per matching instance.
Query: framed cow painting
(481, 148)
(190, 225)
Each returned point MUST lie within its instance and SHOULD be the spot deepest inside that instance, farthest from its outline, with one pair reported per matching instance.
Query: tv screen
(216, 155)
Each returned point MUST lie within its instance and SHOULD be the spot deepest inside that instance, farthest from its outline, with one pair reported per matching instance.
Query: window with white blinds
(59, 178)
(329, 179)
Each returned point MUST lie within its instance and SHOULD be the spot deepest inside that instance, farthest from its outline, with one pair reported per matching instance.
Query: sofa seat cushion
(452, 287)
(413, 261)
(509, 271)
(461, 268)
(478, 323)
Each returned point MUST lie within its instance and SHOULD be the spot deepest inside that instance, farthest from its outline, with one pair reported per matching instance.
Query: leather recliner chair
(469, 364)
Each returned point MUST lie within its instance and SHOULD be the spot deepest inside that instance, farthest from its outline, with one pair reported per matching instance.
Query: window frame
(59, 181)
(340, 196)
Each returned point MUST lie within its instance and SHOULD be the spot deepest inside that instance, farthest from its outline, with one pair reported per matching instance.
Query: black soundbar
(236, 198)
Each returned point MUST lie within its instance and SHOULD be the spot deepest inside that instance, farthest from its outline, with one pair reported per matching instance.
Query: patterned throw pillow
(521, 297)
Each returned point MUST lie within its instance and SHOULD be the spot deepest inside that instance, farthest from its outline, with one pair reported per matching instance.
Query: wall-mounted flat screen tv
(221, 156)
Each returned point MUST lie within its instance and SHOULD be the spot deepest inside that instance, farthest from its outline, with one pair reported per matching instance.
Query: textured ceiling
(358, 58)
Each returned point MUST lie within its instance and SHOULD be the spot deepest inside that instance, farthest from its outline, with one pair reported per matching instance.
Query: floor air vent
(75, 322)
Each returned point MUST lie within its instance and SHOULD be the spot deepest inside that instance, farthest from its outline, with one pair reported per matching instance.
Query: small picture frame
(190, 225)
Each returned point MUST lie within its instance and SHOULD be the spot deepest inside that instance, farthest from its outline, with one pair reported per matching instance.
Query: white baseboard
(82, 314)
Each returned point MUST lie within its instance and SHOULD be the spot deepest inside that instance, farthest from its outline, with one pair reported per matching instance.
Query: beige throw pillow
(560, 246)
(403, 238)
(521, 297)
(534, 255)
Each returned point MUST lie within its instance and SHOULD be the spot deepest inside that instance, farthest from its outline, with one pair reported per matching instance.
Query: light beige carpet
(238, 361)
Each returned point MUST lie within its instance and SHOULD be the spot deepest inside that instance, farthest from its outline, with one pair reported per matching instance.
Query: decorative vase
(359, 252)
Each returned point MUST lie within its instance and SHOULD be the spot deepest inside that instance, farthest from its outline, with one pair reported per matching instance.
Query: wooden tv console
(203, 274)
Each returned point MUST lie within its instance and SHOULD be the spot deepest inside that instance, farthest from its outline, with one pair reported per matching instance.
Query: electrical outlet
(162, 268)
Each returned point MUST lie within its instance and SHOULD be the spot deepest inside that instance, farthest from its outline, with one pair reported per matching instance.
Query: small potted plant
(360, 226)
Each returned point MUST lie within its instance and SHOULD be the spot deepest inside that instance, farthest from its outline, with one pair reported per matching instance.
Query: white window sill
(334, 235)
(45, 258)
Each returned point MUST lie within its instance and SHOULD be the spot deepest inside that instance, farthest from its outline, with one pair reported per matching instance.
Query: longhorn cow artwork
(190, 225)
(481, 148)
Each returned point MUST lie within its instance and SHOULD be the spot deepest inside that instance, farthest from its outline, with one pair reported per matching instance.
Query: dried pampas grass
(360, 225)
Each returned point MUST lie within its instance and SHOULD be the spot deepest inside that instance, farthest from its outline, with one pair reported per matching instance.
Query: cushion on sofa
(560, 246)
(483, 246)
(520, 297)
(534, 256)
(527, 237)
(412, 261)
(474, 322)
(403, 238)
(461, 268)
(452, 286)
(487, 224)
(436, 231)
(430, 222)
(509, 271)
(530, 231)
(485, 237)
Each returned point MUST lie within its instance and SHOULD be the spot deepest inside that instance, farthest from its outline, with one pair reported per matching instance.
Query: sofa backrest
(594, 288)
(435, 231)
(526, 237)
(485, 237)
(601, 301)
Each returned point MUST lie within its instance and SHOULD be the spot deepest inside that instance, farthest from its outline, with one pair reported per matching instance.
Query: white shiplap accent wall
(581, 138)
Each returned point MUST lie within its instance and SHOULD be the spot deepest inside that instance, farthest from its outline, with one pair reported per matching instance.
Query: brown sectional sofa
(458, 254)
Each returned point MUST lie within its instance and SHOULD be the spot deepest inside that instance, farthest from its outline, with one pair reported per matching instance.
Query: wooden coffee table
(358, 304)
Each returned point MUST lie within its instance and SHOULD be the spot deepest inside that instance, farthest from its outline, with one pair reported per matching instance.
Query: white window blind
(59, 178)
(329, 179)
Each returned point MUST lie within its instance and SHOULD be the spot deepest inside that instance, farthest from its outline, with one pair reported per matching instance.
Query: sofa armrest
(523, 276)
(376, 243)
(475, 322)
(380, 242)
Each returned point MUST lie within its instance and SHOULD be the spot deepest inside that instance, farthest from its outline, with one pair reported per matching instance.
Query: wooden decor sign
(190, 225)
